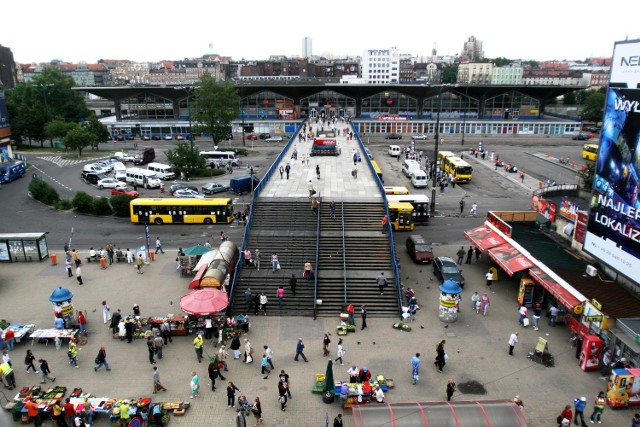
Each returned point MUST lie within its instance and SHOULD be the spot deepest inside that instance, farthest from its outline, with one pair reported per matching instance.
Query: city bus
(590, 152)
(396, 190)
(401, 216)
(443, 155)
(171, 210)
(376, 168)
(420, 203)
(461, 170)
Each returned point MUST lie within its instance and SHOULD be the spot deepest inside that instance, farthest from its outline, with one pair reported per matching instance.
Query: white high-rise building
(306, 47)
(381, 66)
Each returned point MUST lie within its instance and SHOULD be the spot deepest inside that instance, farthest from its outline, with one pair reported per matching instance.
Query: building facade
(381, 66)
(307, 51)
(472, 50)
(507, 75)
(475, 73)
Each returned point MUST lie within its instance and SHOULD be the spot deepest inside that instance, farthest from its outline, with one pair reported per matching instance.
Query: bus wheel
(158, 221)
(208, 221)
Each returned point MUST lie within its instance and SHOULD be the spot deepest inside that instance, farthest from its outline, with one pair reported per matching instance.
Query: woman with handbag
(256, 409)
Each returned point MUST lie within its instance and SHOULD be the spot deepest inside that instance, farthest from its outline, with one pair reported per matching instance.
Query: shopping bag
(525, 321)
(249, 359)
(278, 266)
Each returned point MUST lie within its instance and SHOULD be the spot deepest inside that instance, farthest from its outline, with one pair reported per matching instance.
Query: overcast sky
(143, 30)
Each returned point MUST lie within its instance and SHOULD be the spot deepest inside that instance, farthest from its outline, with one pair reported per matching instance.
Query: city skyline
(133, 31)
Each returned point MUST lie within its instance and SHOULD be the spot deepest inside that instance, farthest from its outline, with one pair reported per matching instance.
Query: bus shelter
(478, 413)
(23, 247)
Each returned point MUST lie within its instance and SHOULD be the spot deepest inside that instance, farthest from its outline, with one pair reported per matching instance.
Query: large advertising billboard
(4, 117)
(613, 230)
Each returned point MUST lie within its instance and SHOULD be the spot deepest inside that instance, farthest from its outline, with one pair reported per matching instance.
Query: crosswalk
(62, 162)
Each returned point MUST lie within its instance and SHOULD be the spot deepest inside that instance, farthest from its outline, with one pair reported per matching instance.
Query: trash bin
(54, 259)
(103, 263)
(151, 255)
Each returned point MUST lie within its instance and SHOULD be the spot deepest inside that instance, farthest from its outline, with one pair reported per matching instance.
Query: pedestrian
(325, 345)
(382, 282)
(522, 176)
(68, 267)
(248, 351)
(269, 353)
(256, 259)
(248, 297)
(522, 311)
(363, 315)
(263, 365)
(263, 303)
(197, 346)
(462, 206)
(79, 275)
(256, 303)
(82, 322)
(110, 253)
(231, 394)
(474, 209)
(310, 188)
(159, 246)
(208, 327)
(281, 170)
(158, 344)
(478, 254)
(635, 422)
(378, 394)
(474, 300)
(513, 340)
(157, 385)
(28, 360)
(292, 284)
(275, 263)
(57, 414)
(384, 221)
(69, 411)
(282, 395)
(579, 406)
(284, 378)
(139, 263)
(565, 417)
(101, 360)
(151, 349)
(300, 351)
(45, 371)
(351, 312)
(355, 171)
(332, 210)
(314, 206)
(165, 331)
(106, 312)
(195, 385)
(469, 255)
(415, 369)
(214, 372)
(280, 295)
(537, 313)
(32, 412)
(337, 421)
(451, 388)
(553, 311)
(129, 256)
(489, 277)
(341, 352)
(256, 409)
(318, 171)
(460, 254)
(441, 356)
(598, 408)
(287, 169)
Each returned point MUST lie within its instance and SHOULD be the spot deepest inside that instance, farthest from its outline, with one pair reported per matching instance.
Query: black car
(176, 187)
(156, 138)
(92, 177)
(264, 135)
(445, 268)
(214, 187)
(581, 137)
(393, 136)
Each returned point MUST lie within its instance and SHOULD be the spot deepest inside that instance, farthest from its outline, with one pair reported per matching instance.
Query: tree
(501, 62)
(593, 107)
(99, 130)
(57, 128)
(183, 158)
(59, 97)
(586, 177)
(449, 74)
(78, 138)
(216, 105)
(569, 98)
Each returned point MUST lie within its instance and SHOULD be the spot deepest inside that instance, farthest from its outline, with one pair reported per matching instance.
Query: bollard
(152, 255)
(54, 259)
(584, 168)
(103, 263)
(573, 164)
(548, 153)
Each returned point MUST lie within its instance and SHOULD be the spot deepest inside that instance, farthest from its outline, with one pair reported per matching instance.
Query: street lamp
(464, 113)
(244, 143)
(189, 90)
(44, 87)
(435, 152)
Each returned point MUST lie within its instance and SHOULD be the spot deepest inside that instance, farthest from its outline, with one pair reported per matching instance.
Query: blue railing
(344, 250)
(315, 267)
(256, 192)
(392, 248)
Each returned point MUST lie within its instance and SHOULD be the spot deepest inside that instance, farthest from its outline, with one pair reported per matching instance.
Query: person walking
(382, 282)
(82, 322)
(29, 358)
(311, 189)
(195, 385)
(340, 352)
(337, 421)
(129, 254)
(248, 351)
(363, 316)
(318, 172)
(281, 170)
(284, 377)
(264, 362)
(462, 206)
(214, 372)
(332, 210)
(522, 311)
(292, 284)
(197, 346)
(415, 369)
(325, 345)
(106, 312)
(269, 353)
(440, 356)
(565, 417)
(275, 263)
(79, 275)
(45, 371)
(474, 209)
(157, 385)
(553, 315)
(256, 409)
(537, 313)
(280, 295)
(460, 254)
(101, 360)
(287, 169)
(451, 388)
(598, 408)
(385, 221)
(256, 259)
(314, 206)
(68, 267)
(159, 246)
(300, 351)
(579, 406)
(263, 303)
(158, 344)
(469, 255)
(489, 278)
(282, 395)
(513, 340)
(139, 263)
(10, 338)
(151, 349)
(231, 394)
(635, 421)
(474, 300)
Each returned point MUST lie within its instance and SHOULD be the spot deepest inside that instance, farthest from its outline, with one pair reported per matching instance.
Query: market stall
(20, 331)
(177, 323)
(46, 335)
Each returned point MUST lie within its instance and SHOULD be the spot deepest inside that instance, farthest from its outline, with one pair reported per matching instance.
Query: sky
(142, 30)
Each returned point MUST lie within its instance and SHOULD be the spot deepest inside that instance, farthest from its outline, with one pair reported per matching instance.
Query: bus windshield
(464, 170)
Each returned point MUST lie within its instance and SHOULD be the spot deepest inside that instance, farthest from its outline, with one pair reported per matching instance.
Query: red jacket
(567, 414)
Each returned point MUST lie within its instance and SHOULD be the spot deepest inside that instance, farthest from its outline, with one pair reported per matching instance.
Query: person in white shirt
(129, 256)
(513, 340)
(523, 314)
(379, 395)
(354, 374)
(92, 254)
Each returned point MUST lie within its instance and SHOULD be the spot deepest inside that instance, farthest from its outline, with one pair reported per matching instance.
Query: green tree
(57, 128)
(593, 107)
(43, 192)
(501, 62)
(531, 64)
(586, 177)
(449, 74)
(59, 97)
(101, 206)
(78, 138)
(216, 105)
(99, 130)
(569, 98)
(183, 158)
(120, 205)
(83, 202)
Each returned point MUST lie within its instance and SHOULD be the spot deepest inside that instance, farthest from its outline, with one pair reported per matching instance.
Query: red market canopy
(195, 283)
(484, 238)
(204, 302)
(562, 295)
(510, 259)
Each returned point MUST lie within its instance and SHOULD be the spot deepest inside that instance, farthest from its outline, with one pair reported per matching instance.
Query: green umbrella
(329, 386)
(197, 250)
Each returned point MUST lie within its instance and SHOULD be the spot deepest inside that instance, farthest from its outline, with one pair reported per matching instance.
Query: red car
(124, 191)
(252, 137)
(419, 250)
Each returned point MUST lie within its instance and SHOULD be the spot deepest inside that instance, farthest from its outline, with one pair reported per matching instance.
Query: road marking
(43, 173)
(62, 162)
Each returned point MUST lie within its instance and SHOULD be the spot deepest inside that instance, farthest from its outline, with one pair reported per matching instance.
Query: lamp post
(464, 113)
(189, 90)
(435, 153)
(44, 94)
(244, 143)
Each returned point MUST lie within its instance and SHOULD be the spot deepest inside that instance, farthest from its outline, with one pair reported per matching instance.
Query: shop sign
(596, 304)
(568, 209)
(592, 318)
(498, 223)
(581, 226)
(67, 310)
(392, 119)
(544, 207)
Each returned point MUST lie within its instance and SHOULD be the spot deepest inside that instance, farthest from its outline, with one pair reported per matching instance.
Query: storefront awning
(484, 238)
(561, 295)
(510, 259)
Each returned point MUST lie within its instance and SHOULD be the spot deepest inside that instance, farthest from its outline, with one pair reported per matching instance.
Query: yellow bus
(401, 216)
(396, 190)
(590, 152)
(443, 155)
(171, 210)
(420, 203)
(376, 168)
(461, 170)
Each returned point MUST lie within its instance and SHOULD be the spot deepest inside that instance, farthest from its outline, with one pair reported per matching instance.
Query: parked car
(445, 268)
(581, 136)
(593, 129)
(145, 137)
(366, 150)
(252, 137)
(156, 138)
(106, 165)
(264, 135)
(124, 191)
(110, 183)
(419, 250)
(274, 139)
(122, 157)
(187, 194)
(167, 138)
(214, 187)
(179, 137)
(393, 136)
(420, 136)
(176, 187)
(92, 177)
(130, 137)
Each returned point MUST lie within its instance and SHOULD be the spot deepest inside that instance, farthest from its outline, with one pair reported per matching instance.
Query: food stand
(624, 388)
(51, 334)
(177, 323)
(19, 331)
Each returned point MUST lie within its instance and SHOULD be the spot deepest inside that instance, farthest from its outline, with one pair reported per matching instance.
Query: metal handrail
(392, 248)
(344, 250)
(315, 267)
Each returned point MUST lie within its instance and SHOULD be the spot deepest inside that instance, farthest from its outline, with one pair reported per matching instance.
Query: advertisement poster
(568, 210)
(544, 207)
(4, 252)
(613, 230)
(581, 226)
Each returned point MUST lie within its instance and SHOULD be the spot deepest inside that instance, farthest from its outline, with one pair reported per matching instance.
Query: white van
(419, 178)
(394, 150)
(163, 172)
(143, 177)
(409, 166)
(220, 158)
(119, 171)
(94, 168)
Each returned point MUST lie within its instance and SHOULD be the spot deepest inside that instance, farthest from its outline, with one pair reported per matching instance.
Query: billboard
(613, 230)
(4, 117)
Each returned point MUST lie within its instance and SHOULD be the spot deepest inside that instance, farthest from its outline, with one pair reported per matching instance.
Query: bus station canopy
(484, 238)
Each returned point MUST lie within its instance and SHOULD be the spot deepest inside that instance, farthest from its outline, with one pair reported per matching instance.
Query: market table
(20, 331)
(49, 334)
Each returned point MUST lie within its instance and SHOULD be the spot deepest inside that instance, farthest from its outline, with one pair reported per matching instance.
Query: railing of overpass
(256, 192)
(392, 248)
(315, 266)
